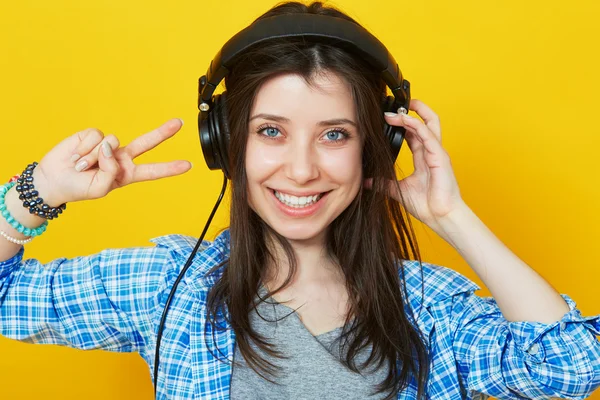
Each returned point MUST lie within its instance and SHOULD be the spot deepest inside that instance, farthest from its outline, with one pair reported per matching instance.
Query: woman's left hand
(431, 192)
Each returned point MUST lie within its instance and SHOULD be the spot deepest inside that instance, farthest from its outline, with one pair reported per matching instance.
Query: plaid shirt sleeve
(523, 360)
(103, 301)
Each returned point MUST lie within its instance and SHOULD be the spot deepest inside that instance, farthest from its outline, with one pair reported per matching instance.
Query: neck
(314, 266)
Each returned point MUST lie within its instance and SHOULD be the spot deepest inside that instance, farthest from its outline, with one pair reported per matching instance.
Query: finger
(396, 120)
(433, 153)
(425, 135)
(153, 138)
(87, 140)
(413, 140)
(108, 168)
(417, 150)
(431, 119)
(150, 172)
(91, 158)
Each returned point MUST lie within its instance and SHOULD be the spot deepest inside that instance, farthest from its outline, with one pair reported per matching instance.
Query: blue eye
(271, 132)
(339, 135)
(334, 135)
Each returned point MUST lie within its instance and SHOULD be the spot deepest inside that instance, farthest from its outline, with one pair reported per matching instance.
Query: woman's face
(303, 157)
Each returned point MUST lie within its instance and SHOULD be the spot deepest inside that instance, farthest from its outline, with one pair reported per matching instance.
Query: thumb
(108, 167)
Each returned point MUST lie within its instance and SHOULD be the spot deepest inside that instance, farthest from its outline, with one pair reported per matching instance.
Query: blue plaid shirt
(113, 300)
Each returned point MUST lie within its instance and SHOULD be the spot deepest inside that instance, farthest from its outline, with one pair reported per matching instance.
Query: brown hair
(369, 239)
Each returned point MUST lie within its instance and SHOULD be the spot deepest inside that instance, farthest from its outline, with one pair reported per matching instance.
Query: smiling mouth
(297, 201)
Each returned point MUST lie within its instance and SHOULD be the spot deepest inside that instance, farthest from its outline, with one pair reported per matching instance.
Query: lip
(298, 212)
(297, 194)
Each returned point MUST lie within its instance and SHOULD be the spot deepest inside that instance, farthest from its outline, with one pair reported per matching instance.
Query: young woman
(316, 290)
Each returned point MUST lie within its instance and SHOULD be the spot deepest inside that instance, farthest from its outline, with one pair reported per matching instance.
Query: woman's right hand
(109, 166)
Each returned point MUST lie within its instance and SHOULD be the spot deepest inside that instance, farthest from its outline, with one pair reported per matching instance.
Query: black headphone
(212, 118)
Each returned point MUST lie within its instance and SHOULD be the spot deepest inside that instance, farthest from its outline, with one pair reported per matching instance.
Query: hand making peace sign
(88, 165)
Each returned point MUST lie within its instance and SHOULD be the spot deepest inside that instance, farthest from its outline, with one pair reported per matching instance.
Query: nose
(301, 164)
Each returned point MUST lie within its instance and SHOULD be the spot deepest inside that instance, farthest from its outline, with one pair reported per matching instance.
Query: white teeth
(297, 202)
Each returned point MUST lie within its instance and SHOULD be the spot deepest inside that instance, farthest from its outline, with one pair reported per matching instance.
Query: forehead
(291, 96)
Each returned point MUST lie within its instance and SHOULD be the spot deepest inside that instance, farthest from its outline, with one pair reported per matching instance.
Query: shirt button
(533, 350)
(563, 325)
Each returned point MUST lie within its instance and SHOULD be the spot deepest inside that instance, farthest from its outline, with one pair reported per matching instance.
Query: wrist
(44, 188)
(453, 222)
(15, 207)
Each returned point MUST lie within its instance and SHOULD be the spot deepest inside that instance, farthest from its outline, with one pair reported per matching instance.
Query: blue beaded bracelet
(13, 222)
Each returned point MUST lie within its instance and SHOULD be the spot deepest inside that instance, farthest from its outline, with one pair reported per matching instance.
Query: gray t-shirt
(313, 371)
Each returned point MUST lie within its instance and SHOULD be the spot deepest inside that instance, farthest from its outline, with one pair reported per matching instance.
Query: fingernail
(75, 157)
(107, 150)
(181, 121)
(390, 114)
(81, 165)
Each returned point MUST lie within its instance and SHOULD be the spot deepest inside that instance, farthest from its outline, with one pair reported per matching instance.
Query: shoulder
(177, 243)
(428, 284)
(183, 245)
(209, 254)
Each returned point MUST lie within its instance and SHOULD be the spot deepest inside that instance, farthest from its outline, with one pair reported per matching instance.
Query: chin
(301, 232)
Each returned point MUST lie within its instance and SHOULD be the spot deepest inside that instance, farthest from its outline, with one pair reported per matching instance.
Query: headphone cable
(181, 274)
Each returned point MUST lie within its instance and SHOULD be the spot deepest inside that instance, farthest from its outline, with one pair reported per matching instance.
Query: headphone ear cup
(214, 135)
(394, 134)
(223, 134)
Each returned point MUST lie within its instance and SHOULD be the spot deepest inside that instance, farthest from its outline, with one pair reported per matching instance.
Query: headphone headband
(314, 27)
(213, 116)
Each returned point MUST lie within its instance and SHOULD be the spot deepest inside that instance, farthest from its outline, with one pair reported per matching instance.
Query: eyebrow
(279, 118)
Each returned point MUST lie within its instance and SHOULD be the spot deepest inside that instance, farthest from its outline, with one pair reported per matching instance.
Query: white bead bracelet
(13, 240)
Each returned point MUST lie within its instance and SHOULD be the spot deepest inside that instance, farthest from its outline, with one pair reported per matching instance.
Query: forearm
(521, 293)
(21, 214)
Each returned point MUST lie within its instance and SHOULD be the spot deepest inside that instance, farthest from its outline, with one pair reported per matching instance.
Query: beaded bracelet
(30, 196)
(13, 222)
(13, 240)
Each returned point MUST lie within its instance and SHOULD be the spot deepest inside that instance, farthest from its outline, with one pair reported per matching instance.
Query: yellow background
(515, 85)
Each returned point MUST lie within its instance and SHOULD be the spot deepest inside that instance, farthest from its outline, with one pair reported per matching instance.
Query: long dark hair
(368, 239)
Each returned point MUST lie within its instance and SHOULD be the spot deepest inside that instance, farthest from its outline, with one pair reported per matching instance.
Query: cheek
(261, 160)
(344, 166)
